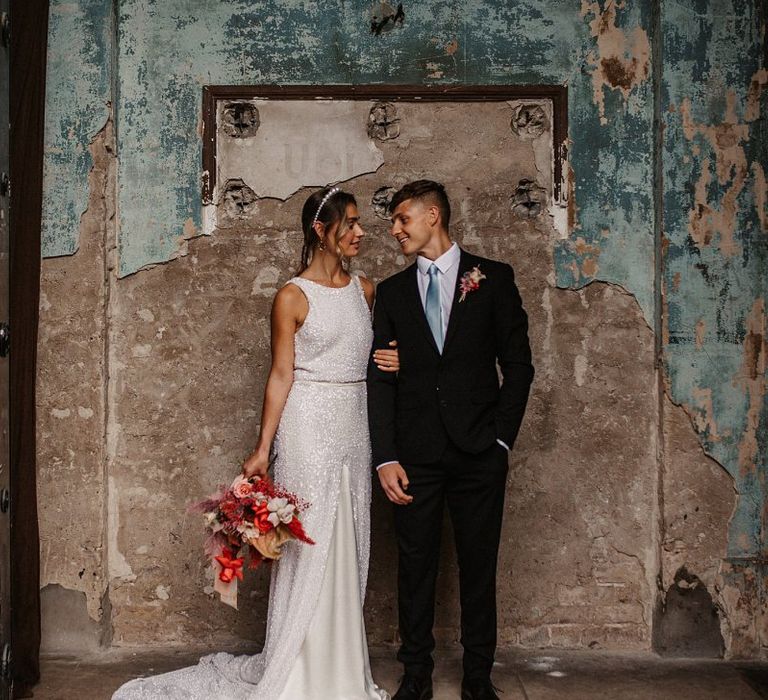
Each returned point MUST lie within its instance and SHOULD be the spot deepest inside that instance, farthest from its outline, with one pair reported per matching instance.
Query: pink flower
(241, 487)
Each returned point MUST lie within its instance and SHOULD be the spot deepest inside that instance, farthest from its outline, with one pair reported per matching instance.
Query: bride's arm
(289, 310)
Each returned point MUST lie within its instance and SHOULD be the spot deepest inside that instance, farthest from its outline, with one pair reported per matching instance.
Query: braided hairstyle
(333, 211)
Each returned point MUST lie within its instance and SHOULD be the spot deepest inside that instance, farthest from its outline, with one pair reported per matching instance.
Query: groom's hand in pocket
(394, 481)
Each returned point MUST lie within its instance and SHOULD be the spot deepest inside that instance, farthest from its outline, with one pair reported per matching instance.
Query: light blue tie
(432, 307)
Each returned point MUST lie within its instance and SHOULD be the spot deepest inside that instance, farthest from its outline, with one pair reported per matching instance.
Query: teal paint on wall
(78, 93)
(168, 51)
(613, 239)
(163, 68)
(715, 273)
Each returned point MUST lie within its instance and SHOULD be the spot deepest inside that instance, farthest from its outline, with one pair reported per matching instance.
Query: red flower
(261, 517)
(298, 531)
(230, 567)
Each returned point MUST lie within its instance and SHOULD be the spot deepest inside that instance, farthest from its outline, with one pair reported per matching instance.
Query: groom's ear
(433, 214)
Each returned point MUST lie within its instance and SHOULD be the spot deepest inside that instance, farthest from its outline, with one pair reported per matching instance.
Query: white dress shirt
(448, 272)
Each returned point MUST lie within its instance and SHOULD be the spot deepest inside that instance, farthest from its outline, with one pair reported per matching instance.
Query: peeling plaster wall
(156, 336)
(167, 51)
(78, 96)
(71, 382)
(715, 269)
(611, 153)
(325, 141)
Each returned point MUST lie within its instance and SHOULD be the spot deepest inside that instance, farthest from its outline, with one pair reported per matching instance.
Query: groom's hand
(394, 481)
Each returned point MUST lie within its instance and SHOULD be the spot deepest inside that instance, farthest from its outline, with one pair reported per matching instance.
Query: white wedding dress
(315, 646)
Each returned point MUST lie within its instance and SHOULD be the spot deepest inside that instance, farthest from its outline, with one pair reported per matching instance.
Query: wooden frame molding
(558, 94)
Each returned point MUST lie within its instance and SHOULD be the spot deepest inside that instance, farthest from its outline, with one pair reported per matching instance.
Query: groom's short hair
(424, 191)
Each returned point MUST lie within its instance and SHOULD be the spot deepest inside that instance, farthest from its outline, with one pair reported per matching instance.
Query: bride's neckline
(325, 286)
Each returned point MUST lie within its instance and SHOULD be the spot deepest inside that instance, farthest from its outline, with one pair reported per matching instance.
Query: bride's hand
(387, 360)
(256, 465)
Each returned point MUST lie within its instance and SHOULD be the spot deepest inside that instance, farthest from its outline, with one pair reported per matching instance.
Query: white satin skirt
(333, 663)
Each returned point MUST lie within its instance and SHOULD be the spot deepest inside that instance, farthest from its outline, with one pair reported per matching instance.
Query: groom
(442, 427)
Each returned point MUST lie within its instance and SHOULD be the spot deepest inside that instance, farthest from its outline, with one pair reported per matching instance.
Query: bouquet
(253, 516)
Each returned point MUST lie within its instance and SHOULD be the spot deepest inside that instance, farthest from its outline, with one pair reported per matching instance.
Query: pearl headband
(323, 201)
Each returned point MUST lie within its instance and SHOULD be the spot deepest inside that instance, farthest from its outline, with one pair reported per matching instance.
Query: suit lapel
(458, 309)
(413, 302)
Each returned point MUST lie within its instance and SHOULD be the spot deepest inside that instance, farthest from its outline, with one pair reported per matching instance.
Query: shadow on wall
(687, 621)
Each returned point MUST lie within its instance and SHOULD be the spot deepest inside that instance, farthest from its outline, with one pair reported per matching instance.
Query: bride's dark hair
(333, 211)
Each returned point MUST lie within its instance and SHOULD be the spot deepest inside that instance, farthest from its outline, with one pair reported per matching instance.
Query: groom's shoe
(478, 690)
(414, 688)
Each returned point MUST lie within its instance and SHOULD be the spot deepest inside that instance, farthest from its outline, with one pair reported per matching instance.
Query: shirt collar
(444, 263)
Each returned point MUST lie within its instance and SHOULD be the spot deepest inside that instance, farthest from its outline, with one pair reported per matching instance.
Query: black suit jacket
(456, 395)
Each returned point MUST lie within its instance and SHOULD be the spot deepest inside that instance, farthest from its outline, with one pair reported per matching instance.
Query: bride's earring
(318, 227)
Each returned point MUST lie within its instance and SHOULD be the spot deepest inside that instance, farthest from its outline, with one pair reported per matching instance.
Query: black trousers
(473, 487)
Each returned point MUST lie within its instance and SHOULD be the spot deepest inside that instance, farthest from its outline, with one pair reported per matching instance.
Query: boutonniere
(470, 281)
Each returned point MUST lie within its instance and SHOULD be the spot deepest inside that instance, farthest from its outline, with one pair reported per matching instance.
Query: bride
(314, 420)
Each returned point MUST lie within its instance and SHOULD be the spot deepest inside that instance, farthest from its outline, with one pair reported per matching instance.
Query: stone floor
(542, 675)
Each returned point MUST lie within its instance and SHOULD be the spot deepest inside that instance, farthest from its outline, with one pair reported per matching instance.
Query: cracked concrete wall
(157, 336)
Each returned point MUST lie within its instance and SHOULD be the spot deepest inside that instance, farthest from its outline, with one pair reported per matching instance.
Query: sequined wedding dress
(315, 646)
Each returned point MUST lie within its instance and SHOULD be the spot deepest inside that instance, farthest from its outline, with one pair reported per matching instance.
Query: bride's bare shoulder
(290, 298)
